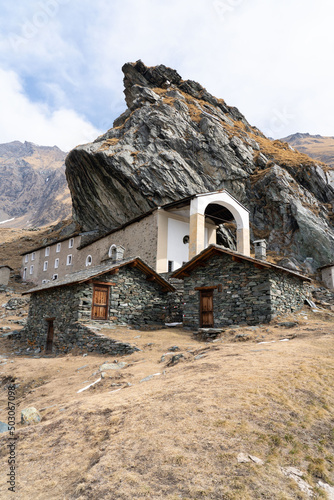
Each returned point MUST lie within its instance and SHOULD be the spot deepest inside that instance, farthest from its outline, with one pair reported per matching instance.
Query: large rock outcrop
(176, 139)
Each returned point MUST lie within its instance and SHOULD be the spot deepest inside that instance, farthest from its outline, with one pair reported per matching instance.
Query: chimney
(119, 253)
(260, 249)
(115, 253)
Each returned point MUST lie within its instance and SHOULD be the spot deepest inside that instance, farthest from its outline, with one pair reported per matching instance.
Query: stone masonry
(132, 300)
(248, 295)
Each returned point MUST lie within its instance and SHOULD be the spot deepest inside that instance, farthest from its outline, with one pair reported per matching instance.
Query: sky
(60, 62)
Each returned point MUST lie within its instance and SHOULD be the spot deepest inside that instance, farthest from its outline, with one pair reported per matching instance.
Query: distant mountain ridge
(319, 147)
(33, 187)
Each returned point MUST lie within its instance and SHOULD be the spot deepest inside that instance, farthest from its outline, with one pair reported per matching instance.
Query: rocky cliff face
(176, 139)
(33, 188)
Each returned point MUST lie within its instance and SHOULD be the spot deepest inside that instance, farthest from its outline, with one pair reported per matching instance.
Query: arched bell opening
(226, 226)
(223, 206)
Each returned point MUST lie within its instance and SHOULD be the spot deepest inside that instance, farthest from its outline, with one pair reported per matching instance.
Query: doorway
(206, 309)
(49, 338)
(100, 302)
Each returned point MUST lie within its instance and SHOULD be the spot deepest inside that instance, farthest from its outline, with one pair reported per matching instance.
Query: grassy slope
(178, 435)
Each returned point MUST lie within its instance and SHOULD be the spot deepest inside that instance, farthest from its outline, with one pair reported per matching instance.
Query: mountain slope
(318, 147)
(175, 139)
(33, 189)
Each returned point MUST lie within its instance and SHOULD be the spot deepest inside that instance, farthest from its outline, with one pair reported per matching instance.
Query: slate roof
(216, 250)
(93, 272)
(331, 264)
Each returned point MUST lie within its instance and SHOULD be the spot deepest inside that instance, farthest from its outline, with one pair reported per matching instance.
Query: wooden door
(206, 308)
(49, 339)
(100, 302)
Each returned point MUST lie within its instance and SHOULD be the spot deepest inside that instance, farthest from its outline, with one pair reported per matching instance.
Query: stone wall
(133, 299)
(248, 294)
(174, 305)
(138, 239)
(59, 303)
(4, 275)
(287, 293)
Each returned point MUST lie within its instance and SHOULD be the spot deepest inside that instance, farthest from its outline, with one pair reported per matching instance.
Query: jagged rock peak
(138, 74)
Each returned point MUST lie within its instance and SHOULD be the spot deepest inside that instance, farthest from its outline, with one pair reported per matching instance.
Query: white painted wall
(177, 251)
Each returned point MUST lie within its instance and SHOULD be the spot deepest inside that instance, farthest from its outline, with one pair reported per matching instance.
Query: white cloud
(24, 120)
(270, 59)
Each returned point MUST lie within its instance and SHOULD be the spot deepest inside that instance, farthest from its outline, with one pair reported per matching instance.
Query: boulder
(30, 416)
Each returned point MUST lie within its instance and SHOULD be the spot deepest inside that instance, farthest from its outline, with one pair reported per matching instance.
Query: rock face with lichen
(175, 139)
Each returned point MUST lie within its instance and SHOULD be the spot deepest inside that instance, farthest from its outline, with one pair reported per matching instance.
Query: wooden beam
(236, 259)
(214, 287)
(114, 271)
(106, 283)
(151, 278)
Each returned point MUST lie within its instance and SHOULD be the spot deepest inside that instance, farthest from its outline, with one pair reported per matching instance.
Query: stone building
(119, 292)
(223, 287)
(5, 275)
(327, 275)
(165, 237)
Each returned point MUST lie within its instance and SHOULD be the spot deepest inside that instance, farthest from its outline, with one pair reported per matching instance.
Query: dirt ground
(266, 391)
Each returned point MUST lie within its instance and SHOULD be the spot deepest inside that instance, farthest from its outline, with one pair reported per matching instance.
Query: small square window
(71, 243)
(55, 277)
(45, 267)
(58, 247)
(33, 256)
(56, 263)
(31, 269)
(47, 251)
(69, 260)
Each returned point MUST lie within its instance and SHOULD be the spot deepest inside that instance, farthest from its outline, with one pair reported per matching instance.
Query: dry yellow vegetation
(178, 435)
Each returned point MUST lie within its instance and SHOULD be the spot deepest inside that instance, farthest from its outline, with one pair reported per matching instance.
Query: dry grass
(108, 143)
(178, 435)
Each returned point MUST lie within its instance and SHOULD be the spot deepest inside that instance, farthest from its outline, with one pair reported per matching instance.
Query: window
(112, 251)
(45, 267)
(170, 266)
(186, 239)
(24, 277)
(55, 277)
(71, 243)
(89, 260)
(47, 251)
(33, 256)
(69, 260)
(26, 258)
(58, 247)
(45, 281)
(31, 269)
(56, 263)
